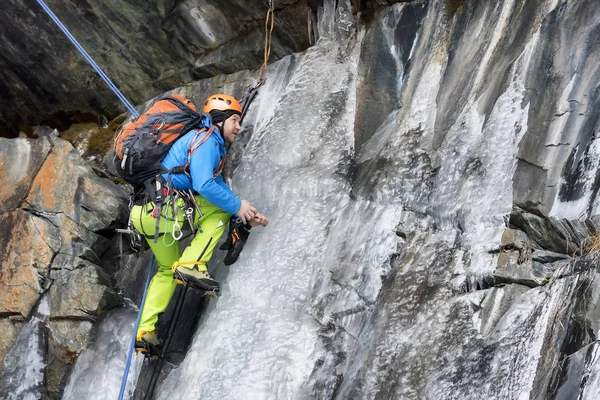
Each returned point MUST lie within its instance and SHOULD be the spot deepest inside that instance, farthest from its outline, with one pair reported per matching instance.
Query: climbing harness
(111, 85)
(135, 328)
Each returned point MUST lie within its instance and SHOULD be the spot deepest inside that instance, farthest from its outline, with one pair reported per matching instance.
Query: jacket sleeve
(205, 160)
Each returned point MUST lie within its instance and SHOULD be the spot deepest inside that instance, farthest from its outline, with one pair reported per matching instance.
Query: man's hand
(259, 219)
(246, 212)
(238, 234)
(236, 239)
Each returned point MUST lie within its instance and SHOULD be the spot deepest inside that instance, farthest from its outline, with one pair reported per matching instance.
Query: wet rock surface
(10, 329)
(26, 260)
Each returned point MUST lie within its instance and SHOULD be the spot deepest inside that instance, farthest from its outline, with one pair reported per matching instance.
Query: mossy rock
(78, 132)
(27, 130)
(101, 142)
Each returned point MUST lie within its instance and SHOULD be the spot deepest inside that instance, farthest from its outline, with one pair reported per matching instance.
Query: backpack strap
(219, 168)
(155, 187)
(195, 144)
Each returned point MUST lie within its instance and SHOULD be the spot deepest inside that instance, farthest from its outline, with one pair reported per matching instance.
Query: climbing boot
(147, 343)
(199, 279)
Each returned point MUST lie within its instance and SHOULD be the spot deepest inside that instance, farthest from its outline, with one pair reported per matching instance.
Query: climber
(203, 200)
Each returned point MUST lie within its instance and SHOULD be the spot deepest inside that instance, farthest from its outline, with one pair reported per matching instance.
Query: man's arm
(204, 160)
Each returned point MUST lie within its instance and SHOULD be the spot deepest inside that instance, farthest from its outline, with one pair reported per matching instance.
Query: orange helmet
(222, 102)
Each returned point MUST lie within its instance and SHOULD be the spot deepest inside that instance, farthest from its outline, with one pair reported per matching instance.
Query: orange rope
(269, 24)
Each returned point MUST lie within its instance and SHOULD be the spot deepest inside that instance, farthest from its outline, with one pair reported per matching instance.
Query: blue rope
(127, 104)
(137, 324)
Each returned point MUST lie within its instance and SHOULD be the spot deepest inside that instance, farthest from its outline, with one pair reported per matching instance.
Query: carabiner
(176, 231)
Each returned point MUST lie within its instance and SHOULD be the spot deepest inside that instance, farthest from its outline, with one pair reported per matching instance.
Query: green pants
(212, 224)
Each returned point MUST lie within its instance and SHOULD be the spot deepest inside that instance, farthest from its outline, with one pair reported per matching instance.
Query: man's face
(231, 128)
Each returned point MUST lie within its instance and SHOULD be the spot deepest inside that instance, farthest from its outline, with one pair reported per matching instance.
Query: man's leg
(192, 263)
(166, 252)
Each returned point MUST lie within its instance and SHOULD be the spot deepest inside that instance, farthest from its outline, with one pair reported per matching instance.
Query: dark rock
(559, 236)
(10, 331)
(66, 184)
(521, 262)
(64, 236)
(146, 48)
(382, 73)
(496, 303)
(70, 335)
(544, 256)
(529, 186)
(577, 369)
(67, 340)
(80, 289)
(531, 273)
(514, 237)
(131, 275)
(561, 131)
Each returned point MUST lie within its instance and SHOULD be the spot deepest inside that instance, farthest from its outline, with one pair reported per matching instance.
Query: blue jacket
(205, 159)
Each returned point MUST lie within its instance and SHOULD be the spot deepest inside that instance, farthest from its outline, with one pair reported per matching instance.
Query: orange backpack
(144, 142)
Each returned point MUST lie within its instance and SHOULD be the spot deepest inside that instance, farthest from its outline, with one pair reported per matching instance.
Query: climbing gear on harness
(236, 239)
(194, 277)
(147, 343)
(89, 59)
(176, 230)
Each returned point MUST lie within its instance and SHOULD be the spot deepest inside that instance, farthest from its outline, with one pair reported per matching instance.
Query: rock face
(25, 263)
(145, 48)
(54, 210)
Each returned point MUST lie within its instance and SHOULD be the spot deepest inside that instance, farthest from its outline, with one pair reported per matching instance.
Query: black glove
(236, 239)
